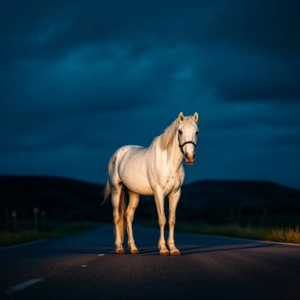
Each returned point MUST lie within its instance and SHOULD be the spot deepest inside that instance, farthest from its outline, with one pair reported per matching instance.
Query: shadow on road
(203, 249)
(185, 250)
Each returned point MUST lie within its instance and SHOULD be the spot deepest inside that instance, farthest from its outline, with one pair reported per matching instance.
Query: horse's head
(187, 137)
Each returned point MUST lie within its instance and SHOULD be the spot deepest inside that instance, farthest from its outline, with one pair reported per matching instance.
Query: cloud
(249, 77)
(247, 49)
(78, 79)
(54, 27)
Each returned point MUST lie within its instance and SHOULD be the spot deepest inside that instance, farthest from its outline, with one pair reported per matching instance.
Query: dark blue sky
(79, 79)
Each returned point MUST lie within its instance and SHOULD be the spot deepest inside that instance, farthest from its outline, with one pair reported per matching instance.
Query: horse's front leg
(173, 201)
(159, 201)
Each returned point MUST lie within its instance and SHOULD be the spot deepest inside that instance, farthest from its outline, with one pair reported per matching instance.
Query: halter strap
(188, 142)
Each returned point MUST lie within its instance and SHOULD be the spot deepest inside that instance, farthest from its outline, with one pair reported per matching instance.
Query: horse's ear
(195, 117)
(181, 117)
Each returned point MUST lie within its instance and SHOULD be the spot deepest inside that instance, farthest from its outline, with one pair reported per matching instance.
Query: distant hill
(210, 196)
(56, 196)
(69, 198)
(240, 192)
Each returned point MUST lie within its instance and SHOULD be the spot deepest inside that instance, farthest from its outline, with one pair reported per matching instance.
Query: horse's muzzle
(190, 158)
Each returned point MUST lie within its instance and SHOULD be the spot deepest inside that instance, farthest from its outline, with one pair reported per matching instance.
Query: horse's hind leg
(133, 203)
(118, 216)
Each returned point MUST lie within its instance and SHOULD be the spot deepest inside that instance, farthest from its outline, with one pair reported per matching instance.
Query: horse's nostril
(194, 156)
(186, 155)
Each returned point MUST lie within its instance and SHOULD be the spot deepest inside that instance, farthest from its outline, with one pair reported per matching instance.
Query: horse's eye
(197, 132)
(180, 132)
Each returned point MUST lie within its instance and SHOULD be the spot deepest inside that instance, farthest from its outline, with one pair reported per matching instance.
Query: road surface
(84, 266)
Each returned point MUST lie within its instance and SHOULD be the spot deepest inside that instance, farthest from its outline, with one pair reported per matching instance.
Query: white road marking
(24, 244)
(21, 286)
(101, 254)
(84, 265)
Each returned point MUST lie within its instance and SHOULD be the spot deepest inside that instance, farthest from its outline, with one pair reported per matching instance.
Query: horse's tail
(122, 210)
(107, 191)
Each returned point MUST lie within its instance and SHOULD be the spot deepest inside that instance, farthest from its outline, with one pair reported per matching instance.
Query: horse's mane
(166, 138)
(168, 135)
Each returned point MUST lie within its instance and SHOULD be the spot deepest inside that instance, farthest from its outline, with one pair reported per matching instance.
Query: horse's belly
(133, 173)
(137, 184)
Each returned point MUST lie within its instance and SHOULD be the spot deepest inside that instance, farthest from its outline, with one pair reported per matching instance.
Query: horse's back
(129, 148)
(125, 152)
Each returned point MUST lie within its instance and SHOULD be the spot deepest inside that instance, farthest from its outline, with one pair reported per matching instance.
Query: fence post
(14, 215)
(35, 211)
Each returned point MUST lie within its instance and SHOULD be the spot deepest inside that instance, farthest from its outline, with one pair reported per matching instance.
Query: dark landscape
(211, 84)
(209, 200)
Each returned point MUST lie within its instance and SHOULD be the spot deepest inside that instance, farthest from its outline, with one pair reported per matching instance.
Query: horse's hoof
(134, 251)
(164, 252)
(120, 251)
(175, 252)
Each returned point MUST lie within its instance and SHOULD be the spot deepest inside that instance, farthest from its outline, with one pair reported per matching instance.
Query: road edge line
(248, 240)
(23, 244)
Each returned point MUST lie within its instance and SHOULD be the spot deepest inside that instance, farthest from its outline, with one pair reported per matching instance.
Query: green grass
(52, 229)
(266, 233)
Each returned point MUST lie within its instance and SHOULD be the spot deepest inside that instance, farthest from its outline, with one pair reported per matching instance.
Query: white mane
(166, 138)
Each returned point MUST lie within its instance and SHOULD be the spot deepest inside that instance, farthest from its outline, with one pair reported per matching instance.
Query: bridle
(182, 145)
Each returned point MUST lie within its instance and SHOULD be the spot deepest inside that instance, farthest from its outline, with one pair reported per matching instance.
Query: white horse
(156, 170)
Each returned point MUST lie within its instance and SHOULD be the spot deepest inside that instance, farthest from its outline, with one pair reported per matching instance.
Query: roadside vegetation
(27, 231)
(284, 235)
(273, 233)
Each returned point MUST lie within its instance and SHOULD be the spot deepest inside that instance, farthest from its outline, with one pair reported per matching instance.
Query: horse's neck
(174, 155)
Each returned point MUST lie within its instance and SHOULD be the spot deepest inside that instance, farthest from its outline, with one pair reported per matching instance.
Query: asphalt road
(209, 268)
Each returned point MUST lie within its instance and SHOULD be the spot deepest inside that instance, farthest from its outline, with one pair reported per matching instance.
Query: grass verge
(283, 235)
(52, 230)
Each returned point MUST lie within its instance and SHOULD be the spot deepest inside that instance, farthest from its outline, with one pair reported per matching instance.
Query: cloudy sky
(79, 79)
